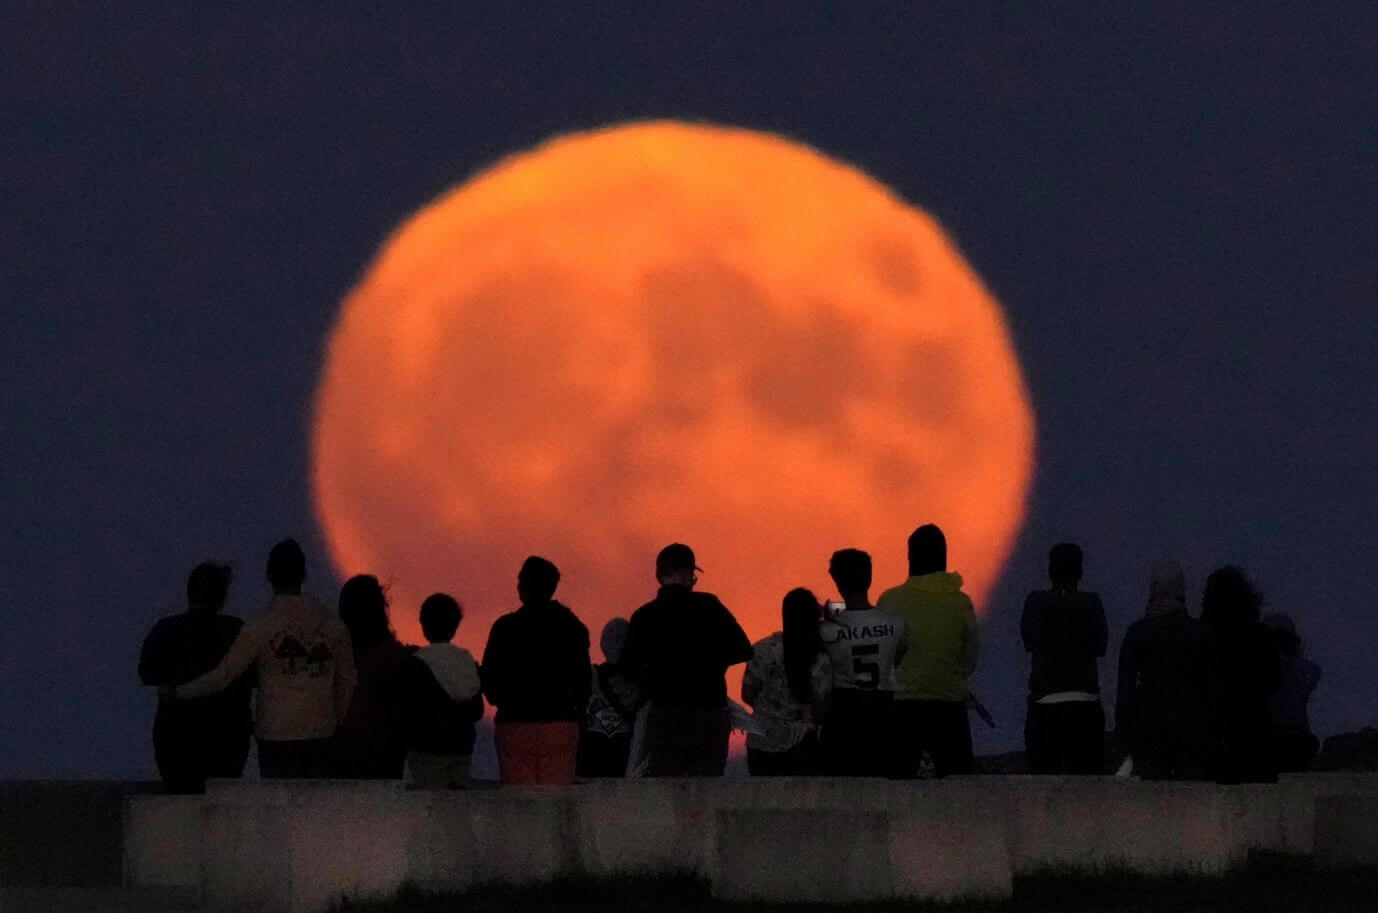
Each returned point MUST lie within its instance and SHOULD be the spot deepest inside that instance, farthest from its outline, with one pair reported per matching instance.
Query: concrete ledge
(1110, 824)
(1346, 831)
(300, 846)
(162, 844)
(1300, 793)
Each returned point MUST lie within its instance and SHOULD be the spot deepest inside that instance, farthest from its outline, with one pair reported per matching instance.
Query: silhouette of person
(1064, 631)
(442, 700)
(679, 647)
(930, 709)
(207, 737)
(864, 646)
(787, 683)
(536, 672)
(1249, 674)
(371, 743)
(1166, 697)
(305, 673)
(1294, 744)
(606, 740)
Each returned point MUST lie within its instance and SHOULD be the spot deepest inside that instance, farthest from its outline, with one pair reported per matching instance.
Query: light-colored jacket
(305, 669)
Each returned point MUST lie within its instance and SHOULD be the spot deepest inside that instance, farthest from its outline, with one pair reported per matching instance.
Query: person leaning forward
(679, 647)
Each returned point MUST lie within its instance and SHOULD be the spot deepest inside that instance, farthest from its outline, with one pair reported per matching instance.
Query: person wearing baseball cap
(679, 647)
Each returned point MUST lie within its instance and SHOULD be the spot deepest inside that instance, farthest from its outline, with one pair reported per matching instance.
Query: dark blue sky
(1178, 210)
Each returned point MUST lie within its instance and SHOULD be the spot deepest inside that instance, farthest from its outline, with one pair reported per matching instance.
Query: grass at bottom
(1268, 884)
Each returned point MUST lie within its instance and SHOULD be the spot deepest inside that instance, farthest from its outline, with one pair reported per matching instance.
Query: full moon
(665, 332)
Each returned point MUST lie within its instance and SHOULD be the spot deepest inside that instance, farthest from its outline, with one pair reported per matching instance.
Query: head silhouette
(537, 580)
(1064, 565)
(364, 611)
(1230, 599)
(850, 569)
(677, 565)
(286, 567)
(208, 585)
(613, 640)
(440, 618)
(799, 613)
(927, 551)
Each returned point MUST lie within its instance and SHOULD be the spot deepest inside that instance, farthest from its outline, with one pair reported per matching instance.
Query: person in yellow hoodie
(930, 708)
(305, 668)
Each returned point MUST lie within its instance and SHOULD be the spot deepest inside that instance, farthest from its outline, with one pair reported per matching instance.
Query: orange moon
(663, 332)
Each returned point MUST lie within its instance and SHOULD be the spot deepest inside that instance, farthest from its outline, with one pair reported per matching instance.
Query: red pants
(537, 753)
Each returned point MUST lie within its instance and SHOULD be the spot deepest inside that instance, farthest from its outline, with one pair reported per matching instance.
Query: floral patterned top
(783, 721)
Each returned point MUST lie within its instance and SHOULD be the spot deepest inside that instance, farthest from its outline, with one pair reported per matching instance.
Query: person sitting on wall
(1063, 629)
(679, 647)
(536, 672)
(207, 737)
(305, 673)
(864, 645)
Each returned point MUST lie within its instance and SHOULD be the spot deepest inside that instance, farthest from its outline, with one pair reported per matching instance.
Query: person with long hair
(787, 683)
(1294, 744)
(372, 741)
(303, 668)
(1231, 607)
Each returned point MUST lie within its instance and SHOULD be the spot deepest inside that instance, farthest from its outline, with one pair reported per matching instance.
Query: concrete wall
(301, 846)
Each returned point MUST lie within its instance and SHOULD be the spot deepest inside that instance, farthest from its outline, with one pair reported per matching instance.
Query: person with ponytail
(787, 683)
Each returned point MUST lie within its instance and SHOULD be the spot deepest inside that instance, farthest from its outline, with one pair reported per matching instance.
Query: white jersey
(864, 646)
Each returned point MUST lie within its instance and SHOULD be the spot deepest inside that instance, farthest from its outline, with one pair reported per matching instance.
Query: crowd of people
(844, 688)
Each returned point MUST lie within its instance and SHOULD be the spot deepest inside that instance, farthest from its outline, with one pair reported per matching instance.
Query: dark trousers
(603, 755)
(1294, 750)
(188, 756)
(857, 735)
(1065, 738)
(940, 728)
(1169, 743)
(799, 761)
(686, 741)
(301, 759)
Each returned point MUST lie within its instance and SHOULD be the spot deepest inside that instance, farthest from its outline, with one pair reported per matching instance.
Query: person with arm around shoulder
(305, 673)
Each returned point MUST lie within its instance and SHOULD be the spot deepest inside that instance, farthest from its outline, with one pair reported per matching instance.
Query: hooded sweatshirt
(942, 636)
(305, 670)
(454, 669)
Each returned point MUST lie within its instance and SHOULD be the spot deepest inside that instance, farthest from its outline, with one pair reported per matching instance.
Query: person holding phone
(864, 646)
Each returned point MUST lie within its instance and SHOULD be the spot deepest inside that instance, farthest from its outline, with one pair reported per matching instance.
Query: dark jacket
(181, 648)
(1064, 631)
(437, 723)
(371, 740)
(536, 667)
(1168, 679)
(679, 646)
